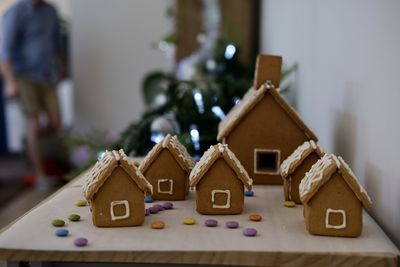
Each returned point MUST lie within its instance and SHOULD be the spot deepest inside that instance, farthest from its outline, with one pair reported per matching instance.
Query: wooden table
(282, 238)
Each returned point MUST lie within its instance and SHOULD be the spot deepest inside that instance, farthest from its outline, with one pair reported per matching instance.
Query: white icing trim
(116, 203)
(228, 198)
(330, 226)
(171, 186)
(278, 160)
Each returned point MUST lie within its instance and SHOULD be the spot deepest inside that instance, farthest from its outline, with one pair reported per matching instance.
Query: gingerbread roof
(177, 150)
(210, 156)
(249, 101)
(322, 171)
(103, 168)
(290, 164)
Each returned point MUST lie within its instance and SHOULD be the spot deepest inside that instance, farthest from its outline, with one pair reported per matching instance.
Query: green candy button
(58, 223)
(74, 217)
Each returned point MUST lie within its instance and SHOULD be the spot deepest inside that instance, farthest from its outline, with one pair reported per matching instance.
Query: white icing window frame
(278, 160)
(116, 203)
(227, 205)
(171, 186)
(333, 211)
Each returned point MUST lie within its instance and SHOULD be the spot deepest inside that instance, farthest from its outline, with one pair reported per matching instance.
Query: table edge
(242, 258)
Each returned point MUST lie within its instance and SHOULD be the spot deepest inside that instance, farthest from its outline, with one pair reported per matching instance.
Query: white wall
(348, 85)
(111, 53)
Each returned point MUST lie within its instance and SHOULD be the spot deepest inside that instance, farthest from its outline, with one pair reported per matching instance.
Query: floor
(15, 198)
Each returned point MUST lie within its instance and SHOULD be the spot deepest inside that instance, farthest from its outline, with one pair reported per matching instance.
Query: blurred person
(29, 60)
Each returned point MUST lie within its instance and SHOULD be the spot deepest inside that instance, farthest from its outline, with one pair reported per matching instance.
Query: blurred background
(138, 70)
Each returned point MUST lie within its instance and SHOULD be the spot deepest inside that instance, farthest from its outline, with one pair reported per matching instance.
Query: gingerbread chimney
(268, 67)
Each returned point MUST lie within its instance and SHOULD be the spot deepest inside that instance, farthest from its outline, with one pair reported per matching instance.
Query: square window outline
(330, 226)
(171, 186)
(228, 198)
(116, 203)
(278, 160)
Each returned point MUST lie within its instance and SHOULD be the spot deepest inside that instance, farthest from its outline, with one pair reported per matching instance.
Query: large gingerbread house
(219, 179)
(295, 167)
(167, 167)
(115, 190)
(263, 129)
(333, 199)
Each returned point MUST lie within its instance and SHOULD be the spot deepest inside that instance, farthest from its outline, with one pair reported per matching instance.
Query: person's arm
(9, 78)
(9, 39)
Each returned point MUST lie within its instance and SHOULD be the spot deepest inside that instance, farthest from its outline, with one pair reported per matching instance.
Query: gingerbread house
(333, 199)
(115, 190)
(263, 129)
(295, 167)
(167, 167)
(219, 179)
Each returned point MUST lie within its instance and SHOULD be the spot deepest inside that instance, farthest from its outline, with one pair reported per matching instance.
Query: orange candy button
(255, 217)
(157, 225)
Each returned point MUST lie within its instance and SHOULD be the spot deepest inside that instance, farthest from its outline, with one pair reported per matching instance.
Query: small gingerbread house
(263, 129)
(333, 199)
(219, 179)
(115, 190)
(295, 167)
(167, 167)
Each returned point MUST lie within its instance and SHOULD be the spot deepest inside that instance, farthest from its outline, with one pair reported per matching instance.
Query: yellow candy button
(80, 202)
(189, 221)
(289, 204)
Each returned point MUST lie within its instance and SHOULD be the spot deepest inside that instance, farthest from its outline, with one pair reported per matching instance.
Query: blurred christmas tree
(192, 101)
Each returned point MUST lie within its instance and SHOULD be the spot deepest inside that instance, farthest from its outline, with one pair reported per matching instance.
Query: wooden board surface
(282, 239)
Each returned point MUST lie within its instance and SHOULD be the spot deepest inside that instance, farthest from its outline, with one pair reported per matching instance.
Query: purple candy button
(146, 212)
(211, 223)
(80, 242)
(250, 232)
(167, 205)
(159, 207)
(153, 210)
(232, 224)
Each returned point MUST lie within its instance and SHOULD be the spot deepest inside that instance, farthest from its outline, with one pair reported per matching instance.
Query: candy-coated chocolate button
(289, 204)
(167, 205)
(80, 242)
(153, 210)
(211, 223)
(232, 224)
(80, 202)
(74, 217)
(157, 225)
(248, 193)
(61, 232)
(148, 199)
(58, 223)
(255, 217)
(189, 221)
(159, 207)
(249, 232)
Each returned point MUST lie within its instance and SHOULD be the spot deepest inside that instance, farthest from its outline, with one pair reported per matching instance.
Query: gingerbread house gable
(103, 169)
(290, 164)
(249, 101)
(177, 150)
(210, 156)
(322, 171)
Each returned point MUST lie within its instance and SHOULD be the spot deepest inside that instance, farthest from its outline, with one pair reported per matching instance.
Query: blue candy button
(61, 232)
(148, 199)
(249, 193)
